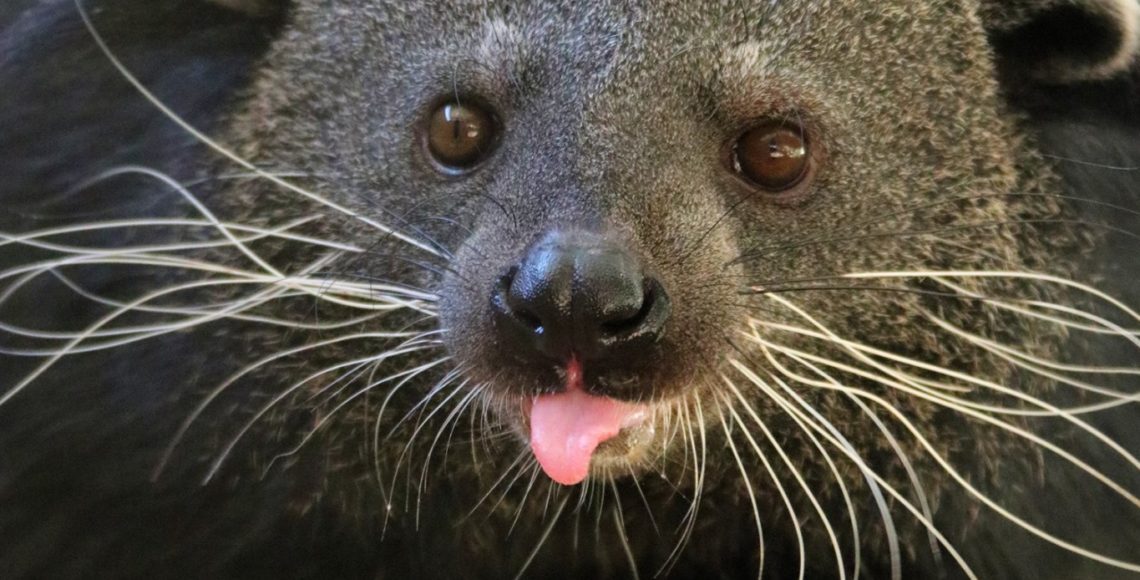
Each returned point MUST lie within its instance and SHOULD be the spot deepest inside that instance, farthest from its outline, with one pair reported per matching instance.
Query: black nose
(579, 293)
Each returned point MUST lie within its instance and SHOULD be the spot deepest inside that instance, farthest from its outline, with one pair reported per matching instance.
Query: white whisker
(787, 461)
(942, 401)
(949, 470)
(747, 486)
(292, 389)
(1084, 288)
(217, 147)
(1119, 398)
(876, 492)
(856, 548)
(619, 526)
(542, 539)
(966, 407)
(854, 457)
(233, 378)
(775, 481)
(405, 377)
(1102, 326)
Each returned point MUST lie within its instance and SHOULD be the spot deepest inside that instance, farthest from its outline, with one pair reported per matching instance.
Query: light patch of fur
(1127, 12)
(1124, 15)
(748, 59)
(503, 46)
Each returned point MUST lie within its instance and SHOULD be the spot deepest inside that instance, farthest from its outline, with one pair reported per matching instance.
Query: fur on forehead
(1064, 41)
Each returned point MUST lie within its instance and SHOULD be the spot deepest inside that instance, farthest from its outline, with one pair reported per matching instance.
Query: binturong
(399, 289)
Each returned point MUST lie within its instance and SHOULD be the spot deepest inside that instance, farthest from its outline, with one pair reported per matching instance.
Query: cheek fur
(926, 366)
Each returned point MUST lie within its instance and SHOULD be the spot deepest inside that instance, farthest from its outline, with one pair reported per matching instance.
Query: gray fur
(616, 116)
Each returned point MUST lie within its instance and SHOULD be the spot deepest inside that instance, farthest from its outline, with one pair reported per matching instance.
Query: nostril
(501, 301)
(578, 294)
(651, 302)
(619, 324)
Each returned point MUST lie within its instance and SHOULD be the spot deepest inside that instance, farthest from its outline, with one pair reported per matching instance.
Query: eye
(774, 156)
(460, 135)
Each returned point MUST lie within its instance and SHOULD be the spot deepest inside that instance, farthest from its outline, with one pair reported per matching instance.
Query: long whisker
(795, 472)
(983, 498)
(876, 492)
(450, 419)
(855, 458)
(43, 367)
(918, 233)
(184, 427)
(184, 310)
(35, 238)
(543, 537)
(619, 526)
(1119, 398)
(447, 381)
(522, 455)
(406, 376)
(296, 282)
(775, 481)
(966, 407)
(217, 147)
(1009, 274)
(856, 547)
(1019, 359)
(699, 459)
(951, 404)
(534, 473)
(916, 483)
(951, 471)
(747, 485)
(357, 364)
(1101, 326)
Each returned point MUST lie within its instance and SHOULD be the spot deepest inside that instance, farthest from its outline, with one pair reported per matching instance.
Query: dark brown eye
(460, 135)
(773, 156)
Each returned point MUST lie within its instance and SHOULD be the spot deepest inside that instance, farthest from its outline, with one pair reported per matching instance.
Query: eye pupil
(774, 157)
(460, 135)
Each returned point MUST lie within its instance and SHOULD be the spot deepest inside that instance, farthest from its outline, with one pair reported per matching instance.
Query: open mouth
(573, 430)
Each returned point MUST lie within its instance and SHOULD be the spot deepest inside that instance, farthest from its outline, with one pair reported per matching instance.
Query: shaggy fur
(948, 135)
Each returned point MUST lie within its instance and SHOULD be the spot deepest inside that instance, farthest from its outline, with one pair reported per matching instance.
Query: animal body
(383, 289)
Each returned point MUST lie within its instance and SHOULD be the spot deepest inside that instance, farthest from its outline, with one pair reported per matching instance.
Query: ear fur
(1065, 41)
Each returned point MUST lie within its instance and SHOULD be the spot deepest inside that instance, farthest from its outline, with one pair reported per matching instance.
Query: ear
(251, 7)
(1064, 41)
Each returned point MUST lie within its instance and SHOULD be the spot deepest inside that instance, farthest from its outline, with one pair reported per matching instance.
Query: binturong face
(606, 191)
(778, 242)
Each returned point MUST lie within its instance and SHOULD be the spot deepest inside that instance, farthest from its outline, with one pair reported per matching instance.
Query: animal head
(617, 205)
(782, 251)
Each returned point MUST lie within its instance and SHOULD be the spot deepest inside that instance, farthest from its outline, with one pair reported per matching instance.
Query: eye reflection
(774, 156)
(460, 135)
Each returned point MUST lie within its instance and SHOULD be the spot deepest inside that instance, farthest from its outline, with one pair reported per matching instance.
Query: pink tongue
(566, 427)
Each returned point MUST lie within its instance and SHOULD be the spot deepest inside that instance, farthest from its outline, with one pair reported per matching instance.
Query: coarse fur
(295, 374)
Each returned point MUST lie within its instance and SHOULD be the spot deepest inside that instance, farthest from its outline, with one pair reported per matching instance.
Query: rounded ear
(1064, 41)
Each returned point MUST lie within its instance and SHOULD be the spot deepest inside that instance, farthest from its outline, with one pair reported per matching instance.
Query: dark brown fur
(932, 154)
